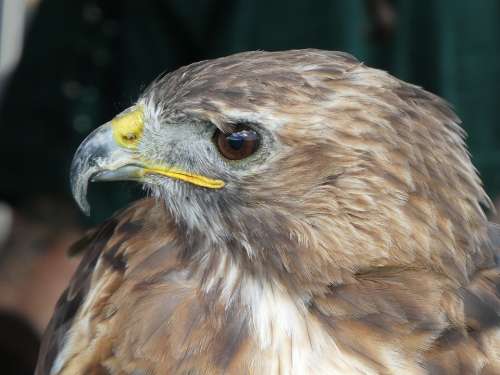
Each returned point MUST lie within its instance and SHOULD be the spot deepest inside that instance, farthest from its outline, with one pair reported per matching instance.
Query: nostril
(128, 128)
(129, 137)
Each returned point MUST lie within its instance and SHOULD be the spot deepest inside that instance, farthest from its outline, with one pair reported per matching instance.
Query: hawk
(307, 214)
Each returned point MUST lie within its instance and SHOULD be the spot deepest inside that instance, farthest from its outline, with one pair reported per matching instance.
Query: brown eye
(237, 145)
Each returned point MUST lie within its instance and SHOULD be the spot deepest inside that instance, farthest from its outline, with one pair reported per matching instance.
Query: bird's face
(193, 165)
(307, 157)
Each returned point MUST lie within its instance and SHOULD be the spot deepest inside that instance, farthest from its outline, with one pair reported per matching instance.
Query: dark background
(84, 61)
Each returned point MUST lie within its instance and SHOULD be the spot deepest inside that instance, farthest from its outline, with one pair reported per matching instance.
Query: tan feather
(359, 248)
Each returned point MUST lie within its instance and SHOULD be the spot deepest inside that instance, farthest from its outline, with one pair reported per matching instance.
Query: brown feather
(359, 248)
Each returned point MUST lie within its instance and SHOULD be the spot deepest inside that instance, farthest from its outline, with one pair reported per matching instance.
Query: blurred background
(68, 66)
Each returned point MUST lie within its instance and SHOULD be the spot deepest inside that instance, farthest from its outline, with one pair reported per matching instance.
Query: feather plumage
(378, 259)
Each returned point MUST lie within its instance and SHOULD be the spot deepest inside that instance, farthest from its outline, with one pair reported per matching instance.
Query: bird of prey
(307, 215)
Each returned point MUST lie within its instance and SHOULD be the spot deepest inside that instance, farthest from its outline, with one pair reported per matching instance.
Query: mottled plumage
(352, 242)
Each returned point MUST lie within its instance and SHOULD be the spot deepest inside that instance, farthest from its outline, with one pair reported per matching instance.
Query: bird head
(307, 160)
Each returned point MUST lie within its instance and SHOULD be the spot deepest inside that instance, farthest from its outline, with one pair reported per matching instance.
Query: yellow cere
(128, 128)
(185, 176)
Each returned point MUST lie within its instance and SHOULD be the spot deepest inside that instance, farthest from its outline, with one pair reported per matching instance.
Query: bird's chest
(289, 339)
(178, 329)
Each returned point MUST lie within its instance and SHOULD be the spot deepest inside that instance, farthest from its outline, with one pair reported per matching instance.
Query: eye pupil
(237, 145)
(236, 140)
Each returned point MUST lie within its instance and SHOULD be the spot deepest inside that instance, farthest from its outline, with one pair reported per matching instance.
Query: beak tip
(81, 201)
(84, 206)
(79, 191)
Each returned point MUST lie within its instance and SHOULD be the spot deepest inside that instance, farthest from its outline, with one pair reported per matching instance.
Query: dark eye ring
(237, 145)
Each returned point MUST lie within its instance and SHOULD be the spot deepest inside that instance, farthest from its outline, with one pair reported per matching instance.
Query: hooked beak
(99, 158)
(109, 153)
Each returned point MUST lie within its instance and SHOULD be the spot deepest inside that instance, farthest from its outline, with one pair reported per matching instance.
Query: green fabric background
(86, 60)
